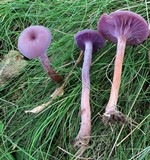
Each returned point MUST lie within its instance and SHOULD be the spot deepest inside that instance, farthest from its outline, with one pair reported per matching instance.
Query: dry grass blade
(137, 127)
(76, 156)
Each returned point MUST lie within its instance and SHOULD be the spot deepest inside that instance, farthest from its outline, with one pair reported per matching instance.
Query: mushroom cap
(89, 35)
(125, 24)
(34, 41)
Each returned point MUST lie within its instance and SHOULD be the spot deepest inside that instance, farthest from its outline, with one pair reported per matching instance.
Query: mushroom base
(81, 141)
(114, 116)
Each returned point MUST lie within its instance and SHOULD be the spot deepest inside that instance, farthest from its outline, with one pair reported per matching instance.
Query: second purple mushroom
(89, 41)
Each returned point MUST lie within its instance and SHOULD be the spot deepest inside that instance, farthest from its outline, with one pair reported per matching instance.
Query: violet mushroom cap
(123, 23)
(33, 43)
(121, 27)
(89, 35)
(89, 41)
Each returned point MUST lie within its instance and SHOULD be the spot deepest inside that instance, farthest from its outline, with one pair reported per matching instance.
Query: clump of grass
(48, 135)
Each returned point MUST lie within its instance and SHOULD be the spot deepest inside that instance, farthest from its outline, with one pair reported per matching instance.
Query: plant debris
(11, 66)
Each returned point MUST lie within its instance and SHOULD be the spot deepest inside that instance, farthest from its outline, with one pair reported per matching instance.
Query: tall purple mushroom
(89, 41)
(121, 27)
(33, 43)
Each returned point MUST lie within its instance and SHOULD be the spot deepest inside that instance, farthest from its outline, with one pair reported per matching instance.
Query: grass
(48, 135)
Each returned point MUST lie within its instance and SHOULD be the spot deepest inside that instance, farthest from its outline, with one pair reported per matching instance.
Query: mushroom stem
(85, 128)
(112, 103)
(46, 65)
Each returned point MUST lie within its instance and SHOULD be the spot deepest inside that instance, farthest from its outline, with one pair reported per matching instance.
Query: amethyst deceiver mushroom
(89, 41)
(33, 43)
(123, 28)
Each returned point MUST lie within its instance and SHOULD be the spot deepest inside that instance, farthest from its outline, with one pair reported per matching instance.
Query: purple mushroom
(33, 43)
(89, 41)
(121, 27)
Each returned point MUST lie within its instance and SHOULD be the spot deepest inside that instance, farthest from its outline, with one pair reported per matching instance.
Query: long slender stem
(112, 103)
(85, 128)
(46, 65)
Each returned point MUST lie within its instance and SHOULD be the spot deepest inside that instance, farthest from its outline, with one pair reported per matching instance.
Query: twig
(58, 92)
